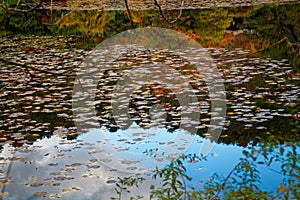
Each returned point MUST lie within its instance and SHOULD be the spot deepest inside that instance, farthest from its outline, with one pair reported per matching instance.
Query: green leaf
(246, 153)
(281, 150)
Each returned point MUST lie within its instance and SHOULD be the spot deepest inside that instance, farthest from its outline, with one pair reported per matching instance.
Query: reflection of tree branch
(55, 23)
(7, 176)
(129, 12)
(164, 16)
(23, 25)
(26, 11)
(34, 68)
(253, 53)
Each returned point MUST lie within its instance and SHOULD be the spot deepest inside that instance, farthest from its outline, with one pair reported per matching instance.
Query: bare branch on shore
(164, 16)
(24, 11)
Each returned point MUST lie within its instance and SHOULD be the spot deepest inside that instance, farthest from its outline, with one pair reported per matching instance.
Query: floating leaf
(53, 164)
(39, 194)
(54, 196)
(35, 184)
(76, 188)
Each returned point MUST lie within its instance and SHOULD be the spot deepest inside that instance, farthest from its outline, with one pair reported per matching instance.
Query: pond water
(57, 141)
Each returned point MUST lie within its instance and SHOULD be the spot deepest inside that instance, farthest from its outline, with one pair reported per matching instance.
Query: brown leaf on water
(25, 160)
(76, 188)
(32, 178)
(3, 182)
(35, 184)
(4, 193)
(63, 191)
(54, 196)
(87, 175)
(39, 194)
(53, 164)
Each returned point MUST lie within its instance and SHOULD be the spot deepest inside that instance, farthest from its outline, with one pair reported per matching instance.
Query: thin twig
(278, 195)
(227, 178)
(185, 188)
(18, 3)
(164, 16)
(276, 171)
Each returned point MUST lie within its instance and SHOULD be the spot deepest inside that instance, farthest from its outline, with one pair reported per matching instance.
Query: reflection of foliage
(25, 23)
(206, 26)
(210, 24)
(77, 5)
(3, 21)
(278, 126)
(273, 23)
(92, 22)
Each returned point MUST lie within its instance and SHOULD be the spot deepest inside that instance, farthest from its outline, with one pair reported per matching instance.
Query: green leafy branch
(125, 184)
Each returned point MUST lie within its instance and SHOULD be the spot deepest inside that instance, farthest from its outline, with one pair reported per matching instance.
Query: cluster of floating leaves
(150, 94)
(35, 103)
(258, 91)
